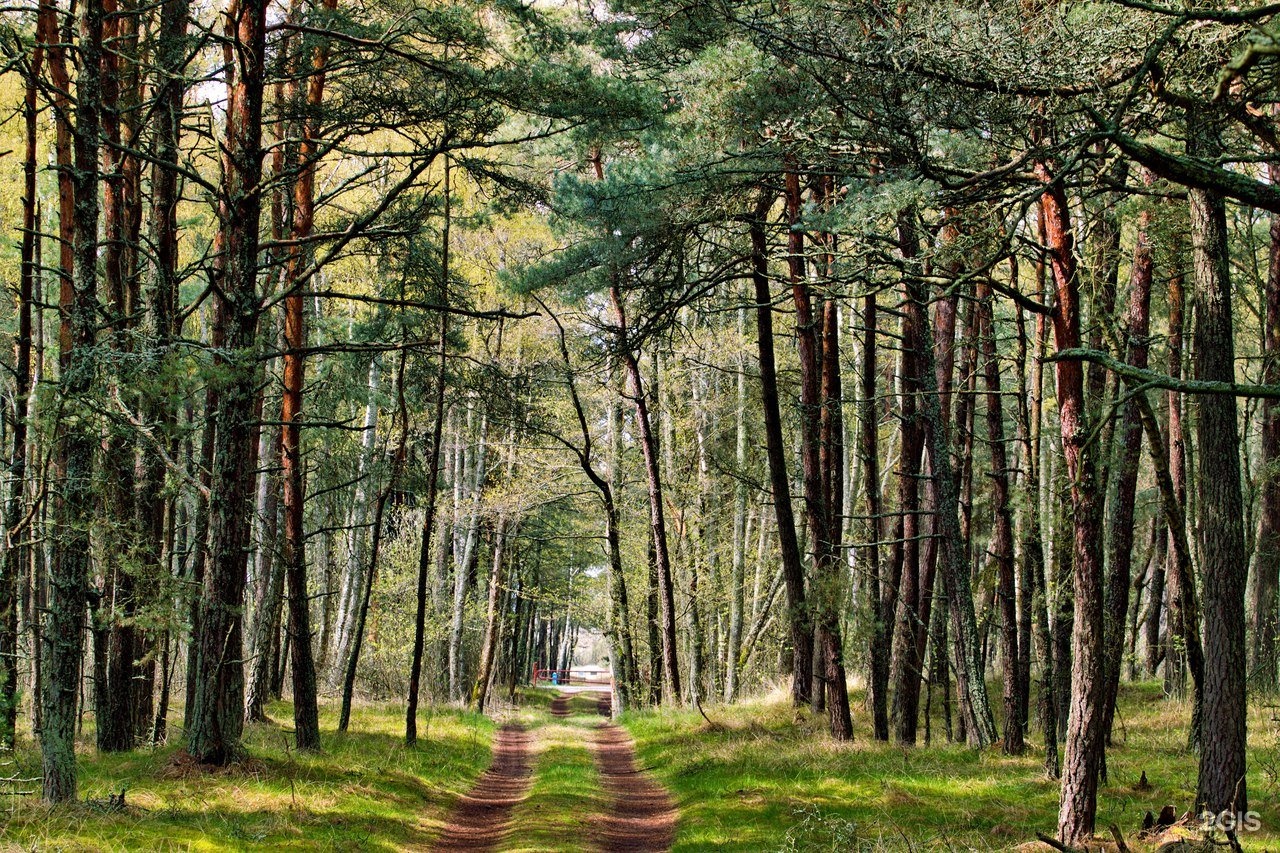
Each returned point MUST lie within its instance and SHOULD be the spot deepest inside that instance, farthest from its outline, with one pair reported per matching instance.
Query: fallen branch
(1057, 845)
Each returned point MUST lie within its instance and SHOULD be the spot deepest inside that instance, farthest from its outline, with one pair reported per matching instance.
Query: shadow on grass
(771, 779)
(365, 790)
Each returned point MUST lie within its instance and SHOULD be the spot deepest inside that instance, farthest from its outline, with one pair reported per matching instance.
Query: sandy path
(641, 816)
(482, 817)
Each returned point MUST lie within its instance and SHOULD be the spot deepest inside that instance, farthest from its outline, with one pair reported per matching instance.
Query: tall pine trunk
(1266, 656)
(798, 617)
(1078, 805)
(216, 717)
(1220, 524)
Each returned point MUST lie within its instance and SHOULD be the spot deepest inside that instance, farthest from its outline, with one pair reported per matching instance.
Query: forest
(623, 425)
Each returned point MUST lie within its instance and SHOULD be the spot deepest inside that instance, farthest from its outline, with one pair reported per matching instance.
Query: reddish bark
(1078, 807)
(217, 715)
(305, 713)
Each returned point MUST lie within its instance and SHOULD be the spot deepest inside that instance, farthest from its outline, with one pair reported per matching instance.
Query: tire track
(641, 817)
(560, 706)
(482, 817)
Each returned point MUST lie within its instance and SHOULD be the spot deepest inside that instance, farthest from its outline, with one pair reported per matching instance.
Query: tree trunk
(269, 595)
(737, 571)
(351, 591)
(463, 556)
(657, 518)
(217, 713)
(428, 520)
(1078, 806)
(829, 590)
(801, 632)
(1002, 534)
(305, 711)
(904, 588)
(1266, 656)
(17, 555)
(1120, 559)
(1221, 518)
(497, 584)
(352, 661)
(970, 686)
(73, 461)
(869, 447)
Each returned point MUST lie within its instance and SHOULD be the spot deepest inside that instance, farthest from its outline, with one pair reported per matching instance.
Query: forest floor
(550, 774)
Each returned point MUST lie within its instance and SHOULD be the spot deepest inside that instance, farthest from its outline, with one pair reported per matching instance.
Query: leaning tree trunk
(801, 631)
(657, 516)
(352, 584)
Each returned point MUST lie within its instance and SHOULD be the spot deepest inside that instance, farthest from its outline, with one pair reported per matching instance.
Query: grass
(566, 787)
(767, 779)
(365, 791)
